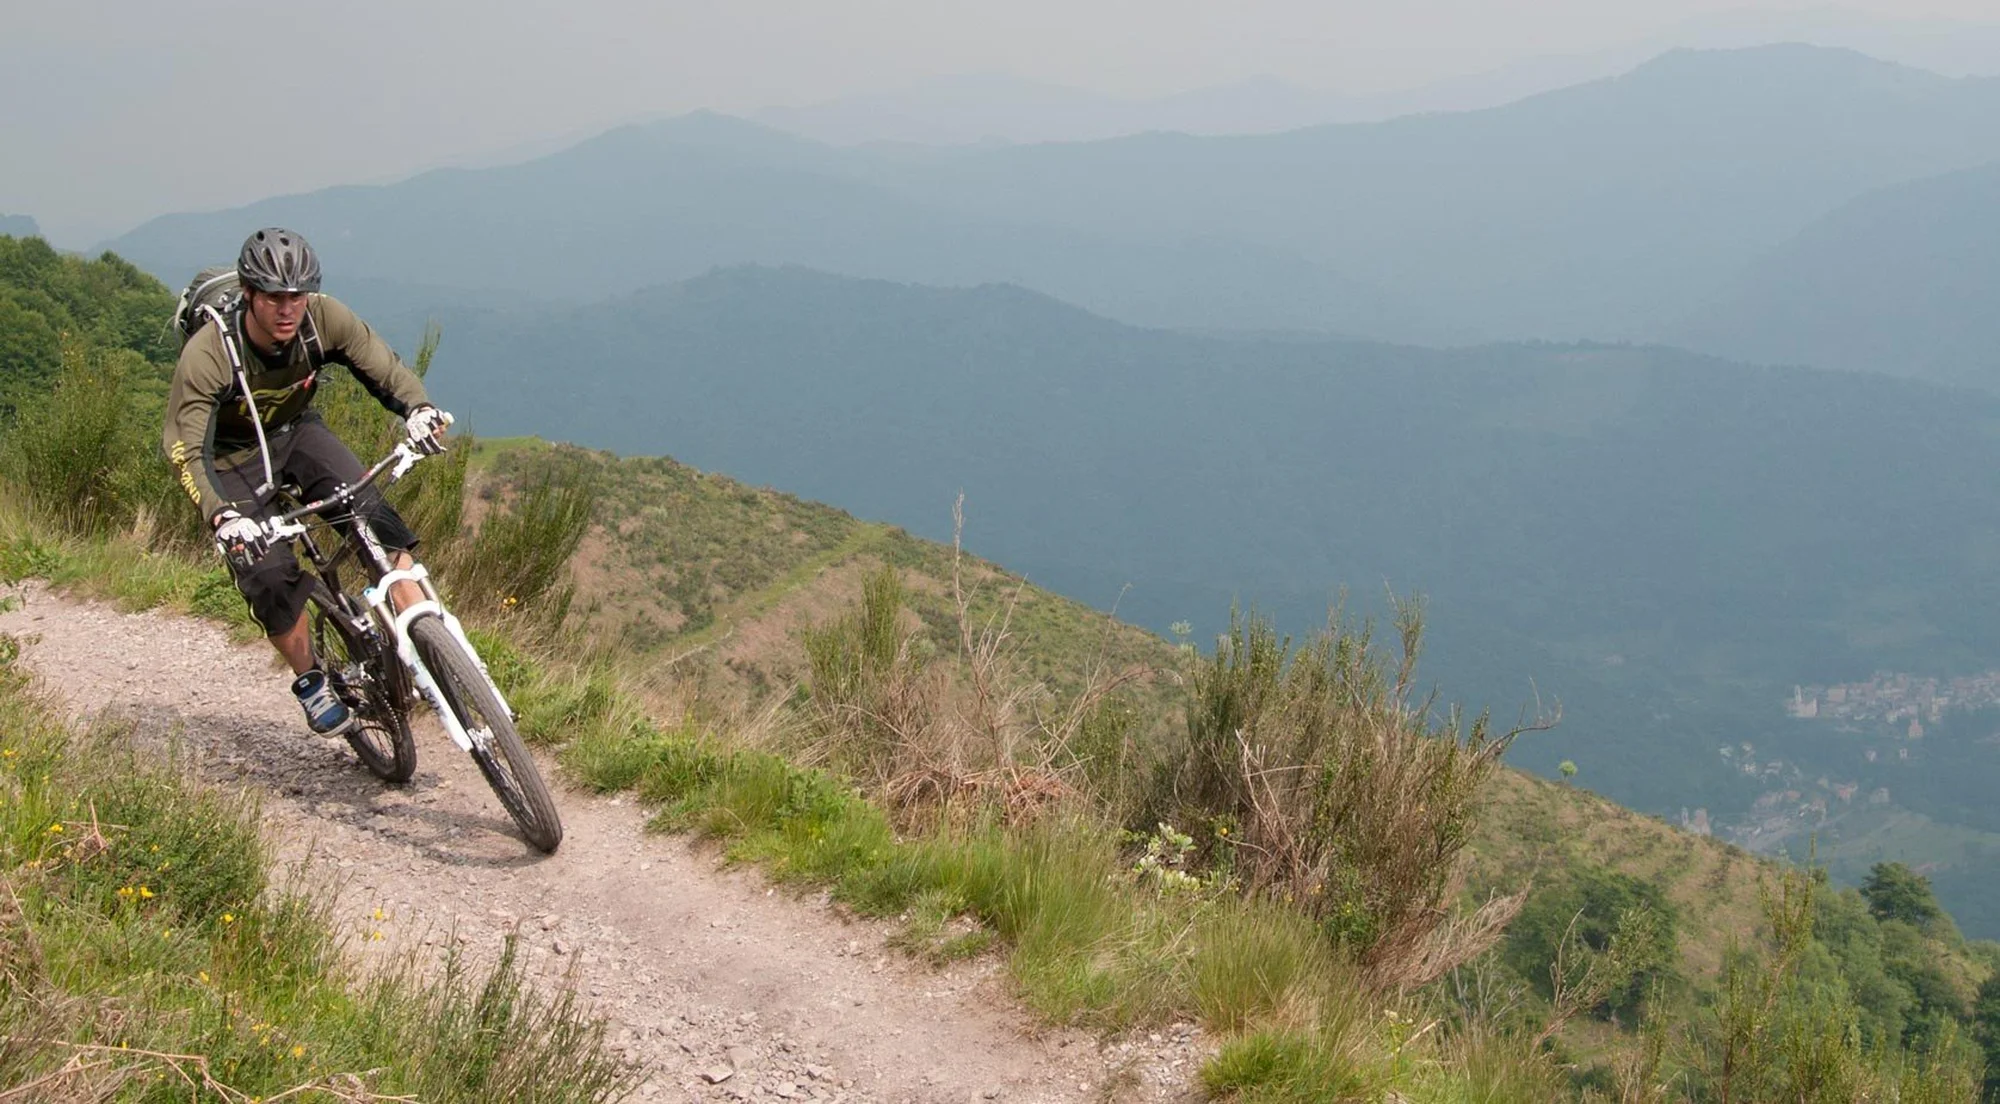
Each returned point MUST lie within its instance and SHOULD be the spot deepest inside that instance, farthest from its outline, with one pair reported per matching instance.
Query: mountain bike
(382, 660)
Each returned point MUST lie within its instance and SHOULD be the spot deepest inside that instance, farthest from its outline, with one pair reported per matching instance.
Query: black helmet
(275, 260)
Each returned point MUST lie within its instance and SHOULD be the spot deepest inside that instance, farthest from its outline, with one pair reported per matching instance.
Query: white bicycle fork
(398, 624)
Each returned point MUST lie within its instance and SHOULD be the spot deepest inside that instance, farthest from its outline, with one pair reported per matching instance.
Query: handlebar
(398, 463)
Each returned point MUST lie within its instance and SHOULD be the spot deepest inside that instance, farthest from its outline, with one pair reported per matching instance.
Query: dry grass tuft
(945, 735)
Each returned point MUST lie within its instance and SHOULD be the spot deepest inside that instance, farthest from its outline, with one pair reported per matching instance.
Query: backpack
(219, 290)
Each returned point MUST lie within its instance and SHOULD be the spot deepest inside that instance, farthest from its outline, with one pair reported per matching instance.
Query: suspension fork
(397, 626)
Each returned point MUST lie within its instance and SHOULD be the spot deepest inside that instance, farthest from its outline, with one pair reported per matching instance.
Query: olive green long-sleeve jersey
(208, 421)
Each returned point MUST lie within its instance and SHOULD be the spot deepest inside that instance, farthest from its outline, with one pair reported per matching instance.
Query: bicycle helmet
(278, 260)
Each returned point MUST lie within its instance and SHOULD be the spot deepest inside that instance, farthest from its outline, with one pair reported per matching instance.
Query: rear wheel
(496, 746)
(370, 679)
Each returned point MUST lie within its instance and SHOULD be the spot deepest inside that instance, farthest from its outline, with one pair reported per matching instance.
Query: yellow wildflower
(229, 918)
(144, 892)
(298, 1051)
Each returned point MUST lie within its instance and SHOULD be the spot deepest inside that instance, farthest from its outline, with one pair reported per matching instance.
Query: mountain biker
(233, 451)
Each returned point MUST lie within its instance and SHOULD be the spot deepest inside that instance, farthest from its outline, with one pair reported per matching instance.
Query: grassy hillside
(684, 564)
(722, 581)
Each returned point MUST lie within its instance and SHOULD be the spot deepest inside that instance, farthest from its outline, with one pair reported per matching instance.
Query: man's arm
(348, 340)
(189, 437)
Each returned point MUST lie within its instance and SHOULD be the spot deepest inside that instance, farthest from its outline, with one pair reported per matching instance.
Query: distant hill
(1665, 542)
(646, 205)
(1901, 281)
(988, 108)
(1584, 212)
(972, 108)
(1606, 210)
(19, 226)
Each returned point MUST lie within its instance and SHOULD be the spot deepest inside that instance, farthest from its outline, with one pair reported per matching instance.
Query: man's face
(277, 313)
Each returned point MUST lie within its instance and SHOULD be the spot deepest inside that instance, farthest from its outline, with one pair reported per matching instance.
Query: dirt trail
(726, 989)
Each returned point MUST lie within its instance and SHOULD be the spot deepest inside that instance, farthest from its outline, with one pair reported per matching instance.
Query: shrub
(1769, 1037)
(520, 554)
(1325, 787)
(72, 450)
(876, 707)
(932, 732)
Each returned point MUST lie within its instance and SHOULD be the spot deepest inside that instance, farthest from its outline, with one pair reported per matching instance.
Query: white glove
(241, 539)
(426, 425)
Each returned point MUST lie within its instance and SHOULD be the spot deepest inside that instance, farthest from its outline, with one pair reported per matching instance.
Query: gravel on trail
(722, 986)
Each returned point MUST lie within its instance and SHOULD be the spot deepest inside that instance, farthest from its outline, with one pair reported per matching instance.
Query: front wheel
(496, 746)
(370, 680)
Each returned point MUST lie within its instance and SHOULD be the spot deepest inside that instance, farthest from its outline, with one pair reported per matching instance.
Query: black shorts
(308, 456)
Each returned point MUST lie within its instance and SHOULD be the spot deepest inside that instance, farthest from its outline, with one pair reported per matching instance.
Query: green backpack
(214, 293)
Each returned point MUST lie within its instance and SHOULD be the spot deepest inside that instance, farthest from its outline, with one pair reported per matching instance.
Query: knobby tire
(376, 684)
(504, 760)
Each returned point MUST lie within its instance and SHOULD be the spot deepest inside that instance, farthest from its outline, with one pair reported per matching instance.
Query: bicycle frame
(391, 623)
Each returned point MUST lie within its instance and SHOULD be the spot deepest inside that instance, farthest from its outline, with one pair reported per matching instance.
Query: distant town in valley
(1902, 700)
(1888, 706)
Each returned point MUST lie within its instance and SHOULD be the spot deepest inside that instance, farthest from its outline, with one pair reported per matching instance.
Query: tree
(1895, 892)
(1594, 908)
(1986, 1029)
(30, 352)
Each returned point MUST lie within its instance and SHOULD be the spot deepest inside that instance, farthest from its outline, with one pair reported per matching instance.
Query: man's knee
(389, 526)
(275, 587)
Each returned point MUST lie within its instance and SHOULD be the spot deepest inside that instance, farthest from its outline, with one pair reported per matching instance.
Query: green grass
(121, 570)
(143, 951)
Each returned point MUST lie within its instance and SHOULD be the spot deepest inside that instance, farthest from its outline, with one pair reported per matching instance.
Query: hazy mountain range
(18, 226)
(1902, 280)
(1614, 210)
(993, 107)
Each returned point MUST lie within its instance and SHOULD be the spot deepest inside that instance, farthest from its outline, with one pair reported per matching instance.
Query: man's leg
(276, 588)
(405, 594)
(295, 644)
(320, 462)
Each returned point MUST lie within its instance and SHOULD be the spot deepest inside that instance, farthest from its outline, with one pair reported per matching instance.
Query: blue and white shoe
(326, 714)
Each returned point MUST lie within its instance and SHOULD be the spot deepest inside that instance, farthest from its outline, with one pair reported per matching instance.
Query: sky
(138, 108)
